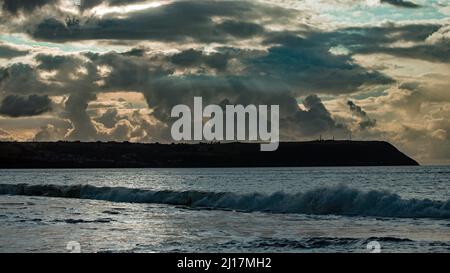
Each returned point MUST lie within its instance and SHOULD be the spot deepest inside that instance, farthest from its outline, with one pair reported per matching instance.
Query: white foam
(338, 200)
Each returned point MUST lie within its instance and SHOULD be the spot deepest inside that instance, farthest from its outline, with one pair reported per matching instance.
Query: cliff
(136, 155)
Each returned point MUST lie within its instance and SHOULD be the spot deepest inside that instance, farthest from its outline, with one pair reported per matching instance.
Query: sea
(326, 209)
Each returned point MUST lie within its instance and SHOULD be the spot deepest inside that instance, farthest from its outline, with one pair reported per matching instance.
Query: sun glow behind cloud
(103, 9)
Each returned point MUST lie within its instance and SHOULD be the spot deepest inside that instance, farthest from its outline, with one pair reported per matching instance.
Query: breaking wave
(338, 200)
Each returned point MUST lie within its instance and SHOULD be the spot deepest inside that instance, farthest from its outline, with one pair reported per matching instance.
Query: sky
(111, 70)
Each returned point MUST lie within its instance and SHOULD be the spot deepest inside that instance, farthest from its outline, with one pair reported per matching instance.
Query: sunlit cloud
(104, 9)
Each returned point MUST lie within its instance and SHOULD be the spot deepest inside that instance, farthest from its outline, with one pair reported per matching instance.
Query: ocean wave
(282, 243)
(82, 221)
(337, 200)
(310, 242)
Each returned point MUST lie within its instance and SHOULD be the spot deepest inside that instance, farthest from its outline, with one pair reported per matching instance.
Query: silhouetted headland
(136, 155)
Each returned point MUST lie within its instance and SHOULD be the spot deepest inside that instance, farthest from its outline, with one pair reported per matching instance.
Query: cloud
(440, 37)
(365, 121)
(8, 52)
(88, 4)
(308, 64)
(28, 6)
(288, 65)
(425, 52)
(22, 79)
(401, 3)
(109, 119)
(313, 121)
(16, 6)
(83, 128)
(6, 136)
(288, 69)
(121, 131)
(3, 133)
(56, 62)
(427, 41)
(53, 132)
(356, 109)
(18, 106)
(177, 21)
(196, 58)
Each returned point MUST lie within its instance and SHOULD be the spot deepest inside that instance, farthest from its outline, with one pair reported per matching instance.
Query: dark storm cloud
(25, 79)
(371, 40)
(294, 122)
(19, 106)
(365, 121)
(196, 58)
(288, 69)
(16, 6)
(308, 64)
(8, 52)
(28, 6)
(356, 109)
(163, 90)
(316, 119)
(364, 37)
(20, 78)
(130, 72)
(137, 52)
(196, 21)
(378, 39)
(87, 4)
(177, 21)
(240, 29)
(54, 62)
(292, 65)
(401, 3)
(433, 53)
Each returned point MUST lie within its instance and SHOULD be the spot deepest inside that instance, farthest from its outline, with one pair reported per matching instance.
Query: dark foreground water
(401, 209)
